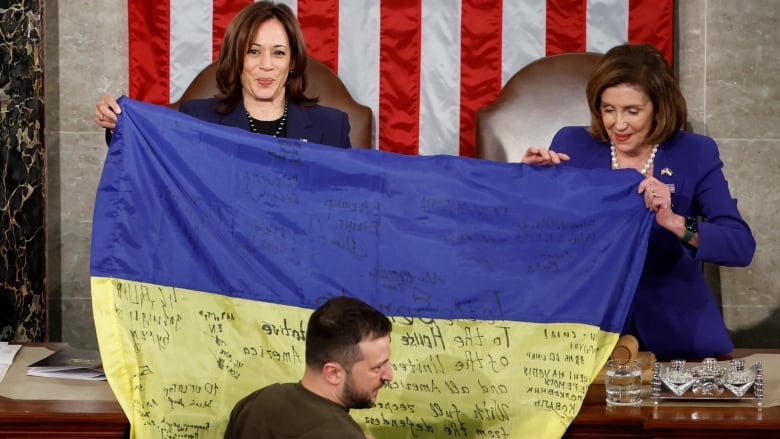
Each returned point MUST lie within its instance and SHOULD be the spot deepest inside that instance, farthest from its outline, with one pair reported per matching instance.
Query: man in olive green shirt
(347, 362)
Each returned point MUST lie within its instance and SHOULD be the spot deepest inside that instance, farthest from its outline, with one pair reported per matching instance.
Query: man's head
(348, 346)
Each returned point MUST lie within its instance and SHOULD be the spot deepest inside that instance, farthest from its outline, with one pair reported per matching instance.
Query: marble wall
(728, 57)
(22, 176)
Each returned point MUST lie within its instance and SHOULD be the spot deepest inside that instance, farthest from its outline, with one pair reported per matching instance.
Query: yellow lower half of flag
(178, 360)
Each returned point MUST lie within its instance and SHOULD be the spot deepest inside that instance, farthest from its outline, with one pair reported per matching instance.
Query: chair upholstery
(539, 99)
(321, 82)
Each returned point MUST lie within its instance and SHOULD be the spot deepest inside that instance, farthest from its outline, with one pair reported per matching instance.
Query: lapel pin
(666, 171)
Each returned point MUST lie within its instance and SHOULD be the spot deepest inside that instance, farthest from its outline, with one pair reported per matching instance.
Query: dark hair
(336, 328)
(644, 66)
(235, 45)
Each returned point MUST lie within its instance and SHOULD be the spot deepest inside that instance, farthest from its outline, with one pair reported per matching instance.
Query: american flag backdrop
(423, 66)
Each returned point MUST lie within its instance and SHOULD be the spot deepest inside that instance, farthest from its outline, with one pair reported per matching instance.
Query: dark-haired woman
(260, 77)
(638, 116)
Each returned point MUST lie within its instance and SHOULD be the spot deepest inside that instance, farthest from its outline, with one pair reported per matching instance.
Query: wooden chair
(321, 82)
(539, 99)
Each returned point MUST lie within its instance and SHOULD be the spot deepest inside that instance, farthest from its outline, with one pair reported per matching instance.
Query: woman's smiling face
(267, 63)
(627, 113)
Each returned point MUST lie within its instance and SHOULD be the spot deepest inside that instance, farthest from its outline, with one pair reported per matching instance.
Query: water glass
(623, 381)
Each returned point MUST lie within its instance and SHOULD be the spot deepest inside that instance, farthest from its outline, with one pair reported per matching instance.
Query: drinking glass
(623, 381)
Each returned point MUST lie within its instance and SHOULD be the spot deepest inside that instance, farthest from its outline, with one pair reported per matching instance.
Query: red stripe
(399, 75)
(223, 12)
(566, 26)
(319, 21)
(480, 64)
(652, 22)
(149, 27)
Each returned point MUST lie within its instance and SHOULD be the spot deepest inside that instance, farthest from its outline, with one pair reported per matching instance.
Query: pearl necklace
(645, 168)
(266, 127)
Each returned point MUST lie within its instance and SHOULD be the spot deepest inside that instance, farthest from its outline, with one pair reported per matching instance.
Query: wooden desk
(74, 417)
(61, 418)
(105, 419)
(596, 419)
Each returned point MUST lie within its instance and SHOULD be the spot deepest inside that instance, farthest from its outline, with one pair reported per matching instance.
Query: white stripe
(440, 78)
(359, 53)
(293, 4)
(523, 35)
(191, 35)
(607, 25)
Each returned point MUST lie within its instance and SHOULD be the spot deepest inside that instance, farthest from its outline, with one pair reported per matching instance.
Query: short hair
(641, 65)
(235, 45)
(336, 328)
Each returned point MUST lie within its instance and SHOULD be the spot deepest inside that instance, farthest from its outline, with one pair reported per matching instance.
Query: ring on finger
(652, 194)
(102, 119)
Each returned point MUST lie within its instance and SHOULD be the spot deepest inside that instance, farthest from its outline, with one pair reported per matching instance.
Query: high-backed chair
(320, 81)
(539, 99)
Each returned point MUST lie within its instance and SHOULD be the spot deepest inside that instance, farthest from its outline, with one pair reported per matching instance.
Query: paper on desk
(7, 354)
(18, 385)
(69, 363)
(71, 374)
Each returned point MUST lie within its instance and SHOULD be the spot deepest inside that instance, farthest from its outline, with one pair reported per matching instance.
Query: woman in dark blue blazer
(638, 114)
(261, 82)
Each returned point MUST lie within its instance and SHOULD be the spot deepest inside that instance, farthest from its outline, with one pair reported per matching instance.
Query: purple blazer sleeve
(724, 237)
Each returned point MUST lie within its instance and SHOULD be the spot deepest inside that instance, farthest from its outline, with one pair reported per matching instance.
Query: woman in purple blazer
(261, 82)
(638, 115)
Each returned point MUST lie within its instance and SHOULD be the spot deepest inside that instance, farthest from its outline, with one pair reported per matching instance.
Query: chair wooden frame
(539, 99)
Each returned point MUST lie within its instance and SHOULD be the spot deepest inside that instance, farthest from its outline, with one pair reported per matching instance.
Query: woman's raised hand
(106, 110)
(541, 156)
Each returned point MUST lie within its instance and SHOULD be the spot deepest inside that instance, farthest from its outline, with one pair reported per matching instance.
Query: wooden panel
(61, 419)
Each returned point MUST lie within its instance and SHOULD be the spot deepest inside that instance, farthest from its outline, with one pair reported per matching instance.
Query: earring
(291, 72)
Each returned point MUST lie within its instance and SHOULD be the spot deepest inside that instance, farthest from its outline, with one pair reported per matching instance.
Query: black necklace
(270, 127)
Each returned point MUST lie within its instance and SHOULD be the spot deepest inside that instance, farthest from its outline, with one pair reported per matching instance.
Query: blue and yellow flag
(507, 284)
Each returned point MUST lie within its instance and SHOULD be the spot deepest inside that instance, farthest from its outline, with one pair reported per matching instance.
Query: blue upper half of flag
(195, 205)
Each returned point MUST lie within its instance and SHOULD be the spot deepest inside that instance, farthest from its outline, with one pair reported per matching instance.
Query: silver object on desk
(708, 380)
